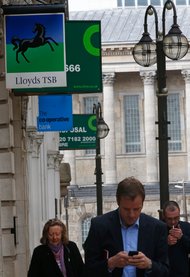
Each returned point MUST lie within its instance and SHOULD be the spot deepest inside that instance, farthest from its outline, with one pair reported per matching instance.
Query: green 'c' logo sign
(90, 123)
(87, 40)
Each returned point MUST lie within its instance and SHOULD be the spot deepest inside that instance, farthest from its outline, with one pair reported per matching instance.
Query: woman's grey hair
(51, 223)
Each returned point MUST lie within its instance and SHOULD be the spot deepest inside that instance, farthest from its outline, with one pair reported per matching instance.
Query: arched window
(85, 227)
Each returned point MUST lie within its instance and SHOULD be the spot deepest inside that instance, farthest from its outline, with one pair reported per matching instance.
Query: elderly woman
(56, 256)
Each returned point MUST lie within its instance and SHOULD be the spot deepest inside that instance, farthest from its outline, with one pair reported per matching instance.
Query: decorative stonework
(148, 77)
(186, 75)
(118, 51)
(34, 141)
(2, 76)
(58, 160)
(54, 159)
(108, 78)
(24, 101)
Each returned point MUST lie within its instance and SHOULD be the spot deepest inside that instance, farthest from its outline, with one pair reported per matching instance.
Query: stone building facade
(29, 175)
(124, 80)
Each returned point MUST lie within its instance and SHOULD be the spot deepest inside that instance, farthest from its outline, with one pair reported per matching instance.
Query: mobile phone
(132, 253)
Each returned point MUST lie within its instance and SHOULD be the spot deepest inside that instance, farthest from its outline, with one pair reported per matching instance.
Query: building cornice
(117, 51)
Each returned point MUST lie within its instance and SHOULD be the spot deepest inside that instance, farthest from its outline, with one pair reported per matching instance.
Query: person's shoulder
(41, 248)
(184, 224)
(152, 220)
(106, 216)
(71, 247)
(71, 243)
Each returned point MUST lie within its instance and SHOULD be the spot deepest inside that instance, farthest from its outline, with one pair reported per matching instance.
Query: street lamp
(182, 186)
(102, 132)
(146, 52)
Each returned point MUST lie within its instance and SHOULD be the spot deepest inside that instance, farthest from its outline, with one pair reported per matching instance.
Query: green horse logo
(22, 45)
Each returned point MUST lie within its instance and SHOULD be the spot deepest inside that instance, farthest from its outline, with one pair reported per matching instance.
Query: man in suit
(178, 240)
(114, 234)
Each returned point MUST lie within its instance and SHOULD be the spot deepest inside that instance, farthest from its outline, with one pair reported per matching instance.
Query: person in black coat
(178, 240)
(56, 256)
(114, 234)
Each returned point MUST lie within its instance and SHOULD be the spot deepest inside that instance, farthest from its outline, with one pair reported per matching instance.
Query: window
(85, 228)
(155, 2)
(129, 3)
(88, 104)
(181, 2)
(145, 3)
(132, 124)
(174, 128)
(142, 3)
(119, 3)
(88, 109)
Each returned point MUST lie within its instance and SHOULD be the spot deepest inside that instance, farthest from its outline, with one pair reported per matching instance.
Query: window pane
(155, 2)
(119, 3)
(129, 3)
(88, 109)
(132, 123)
(180, 2)
(88, 104)
(174, 128)
(142, 3)
(85, 228)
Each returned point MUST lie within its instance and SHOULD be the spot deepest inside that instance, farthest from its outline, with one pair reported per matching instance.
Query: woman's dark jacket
(43, 263)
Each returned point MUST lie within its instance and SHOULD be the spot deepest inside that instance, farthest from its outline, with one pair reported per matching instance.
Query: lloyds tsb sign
(35, 50)
(47, 55)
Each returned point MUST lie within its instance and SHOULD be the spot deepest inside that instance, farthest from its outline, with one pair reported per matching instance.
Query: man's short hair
(130, 187)
(171, 206)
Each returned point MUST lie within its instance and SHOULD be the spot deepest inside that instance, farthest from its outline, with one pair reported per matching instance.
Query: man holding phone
(126, 242)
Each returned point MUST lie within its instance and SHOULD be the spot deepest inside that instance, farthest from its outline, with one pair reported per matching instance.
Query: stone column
(8, 197)
(58, 159)
(109, 141)
(148, 78)
(186, 76)
(53, 183)
(69, 157)
(34, 181)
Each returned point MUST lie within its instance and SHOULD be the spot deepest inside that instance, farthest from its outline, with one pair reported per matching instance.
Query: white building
(129, 104)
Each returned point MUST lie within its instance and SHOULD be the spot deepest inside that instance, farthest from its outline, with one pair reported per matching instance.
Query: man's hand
(171, 240)
(140, 261)
(119, 260)
(122, 259)
(176, 232)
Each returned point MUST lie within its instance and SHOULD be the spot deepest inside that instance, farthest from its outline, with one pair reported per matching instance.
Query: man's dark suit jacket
(105, 239)
(43, 263)
(178, 253)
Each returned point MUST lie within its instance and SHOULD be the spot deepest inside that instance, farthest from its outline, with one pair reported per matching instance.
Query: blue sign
(55, 113)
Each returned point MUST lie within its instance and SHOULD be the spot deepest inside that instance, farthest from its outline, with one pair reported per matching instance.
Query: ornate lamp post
(146, 52)
(102, 132)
